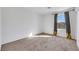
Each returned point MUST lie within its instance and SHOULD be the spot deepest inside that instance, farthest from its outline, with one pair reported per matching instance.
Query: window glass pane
(61, 21)
(61, 17)
(61, 25)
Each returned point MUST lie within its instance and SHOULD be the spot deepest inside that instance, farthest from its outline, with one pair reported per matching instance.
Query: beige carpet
(41, 44)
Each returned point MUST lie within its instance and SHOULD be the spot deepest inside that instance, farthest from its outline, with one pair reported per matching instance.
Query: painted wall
(77, 35)
(18, 23)
(48, 24)
(0, 28)
(41, 23)
(73, 22)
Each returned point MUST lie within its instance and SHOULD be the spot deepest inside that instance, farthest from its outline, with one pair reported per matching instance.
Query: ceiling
(46, 10)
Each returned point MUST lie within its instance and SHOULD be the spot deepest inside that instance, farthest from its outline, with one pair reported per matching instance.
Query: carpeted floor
(41, 44)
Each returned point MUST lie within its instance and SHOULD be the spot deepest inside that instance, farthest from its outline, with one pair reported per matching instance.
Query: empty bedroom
(39, 28)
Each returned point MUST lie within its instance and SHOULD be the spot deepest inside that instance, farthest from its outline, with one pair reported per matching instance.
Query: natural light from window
(61, 26)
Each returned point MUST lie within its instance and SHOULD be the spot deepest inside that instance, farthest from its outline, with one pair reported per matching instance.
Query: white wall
(41, 23)
(0, 28)
(18, 23)
(77, 35)
(48, 24)
(73, 23)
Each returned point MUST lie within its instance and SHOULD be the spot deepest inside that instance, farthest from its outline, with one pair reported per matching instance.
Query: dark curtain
(68, 29)
(55, 25)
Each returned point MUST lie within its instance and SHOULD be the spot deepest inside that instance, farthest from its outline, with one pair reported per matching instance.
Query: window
(61, 25)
